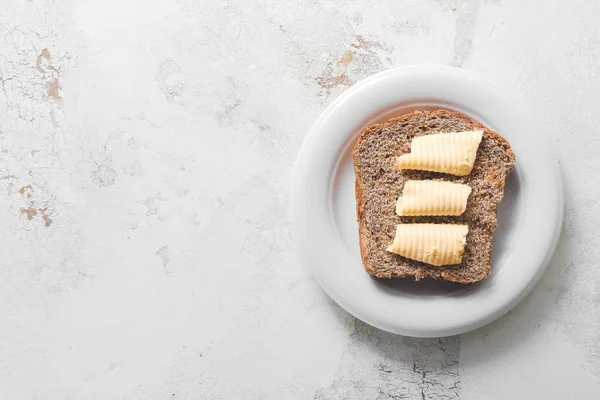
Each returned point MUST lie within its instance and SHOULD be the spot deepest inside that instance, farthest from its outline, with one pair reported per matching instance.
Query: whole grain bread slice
(379, 184)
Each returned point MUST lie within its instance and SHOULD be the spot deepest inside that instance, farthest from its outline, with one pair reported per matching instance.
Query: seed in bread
(435, 244)
(432, 198)
(451, 153)
(379, 184)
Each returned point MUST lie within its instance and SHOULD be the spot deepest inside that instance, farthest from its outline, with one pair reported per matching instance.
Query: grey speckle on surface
(466, 12)
(380, 365)
(144, 136)
(165, 257)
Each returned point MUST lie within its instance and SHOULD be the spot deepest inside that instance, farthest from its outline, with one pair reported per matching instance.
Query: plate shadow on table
(440, 356)
(518, 326)
(522, 323)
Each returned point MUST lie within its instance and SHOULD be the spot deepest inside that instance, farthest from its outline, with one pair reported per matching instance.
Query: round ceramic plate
(324, 204)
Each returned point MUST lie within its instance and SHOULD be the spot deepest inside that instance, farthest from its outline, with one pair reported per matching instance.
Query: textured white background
(146, 150)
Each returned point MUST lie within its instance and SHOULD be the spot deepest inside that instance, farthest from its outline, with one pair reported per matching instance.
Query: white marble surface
(146, 149)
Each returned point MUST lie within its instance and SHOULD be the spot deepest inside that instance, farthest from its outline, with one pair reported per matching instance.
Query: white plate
(324, 204)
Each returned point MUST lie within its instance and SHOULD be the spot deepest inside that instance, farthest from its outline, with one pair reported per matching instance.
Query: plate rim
(505, 95)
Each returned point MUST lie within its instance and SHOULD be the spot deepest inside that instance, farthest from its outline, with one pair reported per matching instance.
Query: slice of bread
(379, 184)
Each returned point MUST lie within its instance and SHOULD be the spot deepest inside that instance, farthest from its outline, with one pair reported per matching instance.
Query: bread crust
(421, 270)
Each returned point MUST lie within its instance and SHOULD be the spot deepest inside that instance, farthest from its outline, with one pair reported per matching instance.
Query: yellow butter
(452, 153)
(435, 244)
(432, 198)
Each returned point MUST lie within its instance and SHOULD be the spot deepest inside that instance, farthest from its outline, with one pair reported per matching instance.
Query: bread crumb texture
(379, 184)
